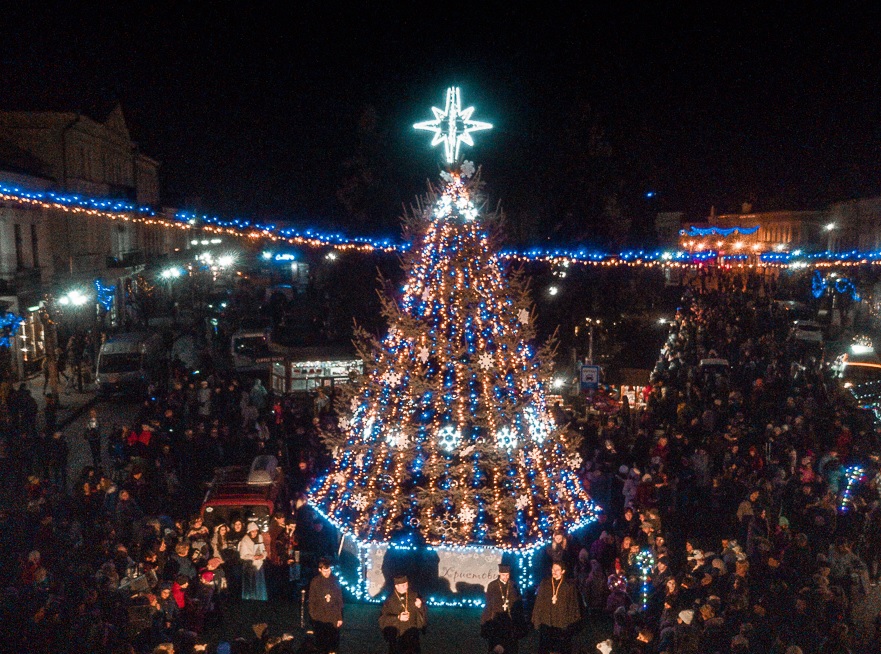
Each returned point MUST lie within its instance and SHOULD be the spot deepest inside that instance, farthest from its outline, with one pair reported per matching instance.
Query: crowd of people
(119, 558)
(741, 513)
(742, 506)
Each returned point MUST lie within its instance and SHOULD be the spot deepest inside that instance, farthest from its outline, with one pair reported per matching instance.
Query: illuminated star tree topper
(452, 126)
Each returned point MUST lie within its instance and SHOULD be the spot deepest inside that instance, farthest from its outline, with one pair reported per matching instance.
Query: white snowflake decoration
(359, 461)
(575, 461)
(394, 333)
(392, 378)
(467, 169)
(467, 515)
(423, 354)
(485, 361)
(448, 438)
(538, 428)
(355, 403)
(522, 502)
(359, 502)
(468, 450)
(444, 175)
(506, 439)
(339, 478)
(397, 439)
(426, 294)
(523, 316)
(344, 424)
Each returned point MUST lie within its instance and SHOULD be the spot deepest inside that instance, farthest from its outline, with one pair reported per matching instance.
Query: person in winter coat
(326, 608)
(403, 618)
(556, 612)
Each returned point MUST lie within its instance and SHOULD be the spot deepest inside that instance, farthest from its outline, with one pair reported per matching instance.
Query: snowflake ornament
(392, 378)
(485, 361)
(426, 294)
(448, 437)
(394, 333)
(522, 502)
(523, 316)
(468, 450)
(444, 175)
(467, 169)
(359, 502)
(575, 461)
(344, 424)
(423, 354)
(359, 461)
(467, 515)
(354, 404)
(338, 478)
(506, 439)
(397, 439)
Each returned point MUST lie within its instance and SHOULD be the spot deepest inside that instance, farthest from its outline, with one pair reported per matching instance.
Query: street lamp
(829, 229)
(74, 298)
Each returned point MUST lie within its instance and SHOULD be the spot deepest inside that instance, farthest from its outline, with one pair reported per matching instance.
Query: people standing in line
(499, 623)
(403, 618)
(556, 612)
(326, 608)
(253, 554)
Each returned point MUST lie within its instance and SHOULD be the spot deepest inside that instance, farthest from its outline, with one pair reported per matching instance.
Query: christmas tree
(449, 436)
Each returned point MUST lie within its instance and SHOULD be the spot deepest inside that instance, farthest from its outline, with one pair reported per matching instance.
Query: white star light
(423, 354)
(452, 126)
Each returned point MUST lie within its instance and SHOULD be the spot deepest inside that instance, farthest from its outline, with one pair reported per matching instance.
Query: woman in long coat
(253, 553)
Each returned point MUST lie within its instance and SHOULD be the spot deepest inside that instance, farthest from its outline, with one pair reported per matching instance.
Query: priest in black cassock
(402, 619)
(499, 624)
(556, 612)
(326, 608)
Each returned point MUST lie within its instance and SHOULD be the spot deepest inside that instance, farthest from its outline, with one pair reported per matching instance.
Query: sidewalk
(71, 405)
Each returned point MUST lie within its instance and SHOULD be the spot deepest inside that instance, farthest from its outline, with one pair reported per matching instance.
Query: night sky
(306, 113)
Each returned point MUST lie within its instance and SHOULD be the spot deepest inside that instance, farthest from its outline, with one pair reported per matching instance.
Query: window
(19, 249)
(35, 249)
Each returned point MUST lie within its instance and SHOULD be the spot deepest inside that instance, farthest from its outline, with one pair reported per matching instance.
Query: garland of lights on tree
(449, 438)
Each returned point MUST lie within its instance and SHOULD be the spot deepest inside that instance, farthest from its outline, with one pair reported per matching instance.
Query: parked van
(128, 362)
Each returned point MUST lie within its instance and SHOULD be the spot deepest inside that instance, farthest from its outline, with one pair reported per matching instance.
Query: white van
(128, 362)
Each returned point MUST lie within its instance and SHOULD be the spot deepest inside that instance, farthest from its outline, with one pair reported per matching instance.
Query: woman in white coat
(252, 552)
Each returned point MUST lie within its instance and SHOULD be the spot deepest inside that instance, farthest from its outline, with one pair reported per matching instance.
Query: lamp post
(77, 300)
(169, 275)
(591, 324)
(830, 229)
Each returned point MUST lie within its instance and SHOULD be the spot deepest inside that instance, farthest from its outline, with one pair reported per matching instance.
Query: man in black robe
(499, 622)
(556, 613)
(402, 619)
(326, 608)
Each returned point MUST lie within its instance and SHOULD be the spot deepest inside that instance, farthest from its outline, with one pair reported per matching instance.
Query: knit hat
(207, 576)
(686, 616)
(605, 647)
(252, 526)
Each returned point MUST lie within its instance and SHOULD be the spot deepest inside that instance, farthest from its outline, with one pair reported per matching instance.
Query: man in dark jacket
(326, 608)
(403, 617)
(556, 612)
(500, 614)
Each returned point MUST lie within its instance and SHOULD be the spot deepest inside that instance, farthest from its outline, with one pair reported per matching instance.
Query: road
(111, 414)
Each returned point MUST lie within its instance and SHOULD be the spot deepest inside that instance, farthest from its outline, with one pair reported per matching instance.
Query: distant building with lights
(748, 232)
(44, 250)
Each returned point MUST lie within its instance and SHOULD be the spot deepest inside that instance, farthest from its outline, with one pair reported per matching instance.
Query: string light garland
(645, 562)
(9, 325)
(114, 209)
(853, 475)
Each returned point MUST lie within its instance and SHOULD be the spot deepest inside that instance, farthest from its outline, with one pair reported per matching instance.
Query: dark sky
(271, 113)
